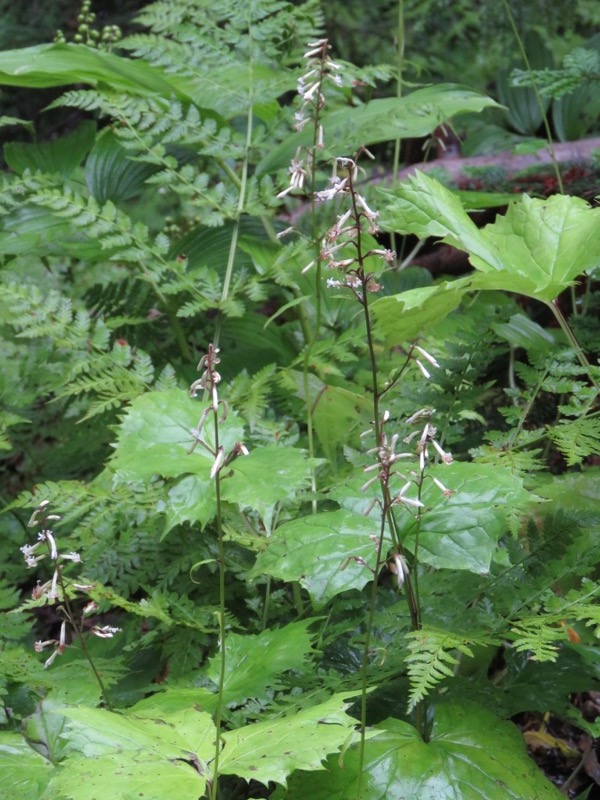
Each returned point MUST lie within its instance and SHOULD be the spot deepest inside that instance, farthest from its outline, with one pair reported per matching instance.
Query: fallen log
(459, 170)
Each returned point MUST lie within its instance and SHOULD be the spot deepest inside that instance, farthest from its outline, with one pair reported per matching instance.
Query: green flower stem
(399, 70)
(573, 341)
(82, 641)
(236, 224)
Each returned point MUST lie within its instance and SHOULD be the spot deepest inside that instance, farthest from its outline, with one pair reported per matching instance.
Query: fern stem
(538, 98)
(236, 227)
(571, 338)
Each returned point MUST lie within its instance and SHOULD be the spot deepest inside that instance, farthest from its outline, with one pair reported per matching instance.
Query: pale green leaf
(462, 531)
(536, 249)
(124, 755)
(338, 414)
(272, 750)
(404, 316)
(121, 776)
(320, 551)
(416, 114)
(23, 772)
(265, 477)
(253, 663)
(155, 437)
(545, 244)
(192, 499)
(425, 207)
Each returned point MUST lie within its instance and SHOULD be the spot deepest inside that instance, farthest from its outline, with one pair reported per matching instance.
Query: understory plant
(341, 560)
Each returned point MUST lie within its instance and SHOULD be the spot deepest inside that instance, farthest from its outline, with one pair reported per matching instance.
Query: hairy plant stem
(221, 553)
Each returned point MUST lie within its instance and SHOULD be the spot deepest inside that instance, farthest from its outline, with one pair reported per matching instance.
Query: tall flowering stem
(319, 70)
(344, 252)
(215, 410)
(61, 591)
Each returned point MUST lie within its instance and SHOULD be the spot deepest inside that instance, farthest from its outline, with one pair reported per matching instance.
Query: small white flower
(104, 631)
(427, 356)
(446, 457)
(443, 488)
(72, 556)
(423, 370)
(218, 462)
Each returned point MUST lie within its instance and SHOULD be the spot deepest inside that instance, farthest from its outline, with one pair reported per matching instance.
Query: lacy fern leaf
(431, 658)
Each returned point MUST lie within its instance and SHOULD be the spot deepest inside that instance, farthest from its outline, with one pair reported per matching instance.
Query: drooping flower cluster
(387, 458)
(58, 589)
(319, 68)
(341, 247)
(386, 471)
(208, 382)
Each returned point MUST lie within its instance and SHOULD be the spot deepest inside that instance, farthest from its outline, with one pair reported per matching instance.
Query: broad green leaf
(110, 174)
(320, 552)
(58, 155)
(404, 316)
(471, 755)
(118, 748)
(265, 477)
(462, 531)
(425, 207)
(123, 776)
(192, 499)
(536, 249)
(545, 244)
(46, 726)
(173, 701)
(253, 663)
(47, 65)
(337, 414)
(382, 120)
(124, 755)
(23, 772)
(521, 331)
(272, 750)
(155, 437)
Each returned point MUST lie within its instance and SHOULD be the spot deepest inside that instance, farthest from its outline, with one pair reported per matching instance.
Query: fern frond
(431, 658)
(251, 394)
(539, 635)
(576, 439)
(580, 66)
